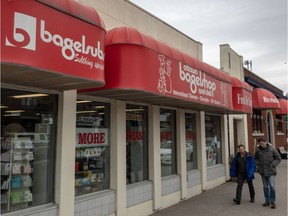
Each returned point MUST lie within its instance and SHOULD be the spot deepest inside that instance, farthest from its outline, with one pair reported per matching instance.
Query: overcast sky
(255, 29)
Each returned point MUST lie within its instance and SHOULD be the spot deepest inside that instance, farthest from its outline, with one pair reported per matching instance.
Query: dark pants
(240, 181)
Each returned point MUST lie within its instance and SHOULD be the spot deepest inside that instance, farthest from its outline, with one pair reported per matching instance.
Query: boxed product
(16, 168)
(17, 155)
(26, 168)
(27, 196)
(16, 182)
(26, 181)
(76, 166)
(15, 197)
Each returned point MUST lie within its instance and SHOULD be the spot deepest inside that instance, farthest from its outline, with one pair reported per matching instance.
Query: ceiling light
(132, 110)
(12, 114)
(83, 101)
(99, 107)
(3, 107)
(14, 111)
(89, 111)
(29, 95)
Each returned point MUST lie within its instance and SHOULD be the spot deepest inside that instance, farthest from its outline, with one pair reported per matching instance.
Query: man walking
(243, 166)
(267, 158)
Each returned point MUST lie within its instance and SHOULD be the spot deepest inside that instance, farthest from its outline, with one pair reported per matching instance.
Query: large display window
(92, 160)
(213, 140)
(28, 140)
(191, 141)
(136, 143)
(168, 142)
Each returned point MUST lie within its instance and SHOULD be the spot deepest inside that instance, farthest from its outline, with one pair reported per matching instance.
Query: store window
(279, 123)
(28, 140)
(168, 142)
(92, 147)
(257, 121)
(213, 140)
(191, 141)
(136, 143)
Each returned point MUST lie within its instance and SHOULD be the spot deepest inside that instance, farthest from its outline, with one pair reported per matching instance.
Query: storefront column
(65, 153)
(154, 155)
(225, 149)
(118, 155)
(181, 153)
(202, 151)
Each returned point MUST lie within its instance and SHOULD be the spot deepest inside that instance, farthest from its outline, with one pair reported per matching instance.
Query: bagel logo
(25, 33)
(197, 80)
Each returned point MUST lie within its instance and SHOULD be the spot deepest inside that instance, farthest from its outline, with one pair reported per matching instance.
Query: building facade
(107, 110)
(266, 121)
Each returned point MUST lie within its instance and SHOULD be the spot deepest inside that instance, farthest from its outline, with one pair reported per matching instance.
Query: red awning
(283, 107)
(264, 99)
(241, 95)
(59, 44)
(142, 69)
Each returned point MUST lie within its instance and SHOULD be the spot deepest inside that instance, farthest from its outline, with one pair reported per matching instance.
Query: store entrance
(235, 132)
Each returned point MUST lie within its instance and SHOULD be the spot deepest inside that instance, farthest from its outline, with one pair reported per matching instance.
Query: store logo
(245, 100)
(197, 81)
(24, 32)
(24, 36)
(270, 100)
(165, 70)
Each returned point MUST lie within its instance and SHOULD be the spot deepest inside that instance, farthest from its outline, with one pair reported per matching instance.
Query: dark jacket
(267, 159)
(250, 166)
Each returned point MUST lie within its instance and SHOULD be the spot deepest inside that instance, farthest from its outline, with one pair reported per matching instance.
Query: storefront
(149, 134)
(265, 119)
(170, 106)
(43, 61)
(268, 118)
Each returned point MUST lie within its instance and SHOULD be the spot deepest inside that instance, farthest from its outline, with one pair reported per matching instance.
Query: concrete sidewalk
(219, 201)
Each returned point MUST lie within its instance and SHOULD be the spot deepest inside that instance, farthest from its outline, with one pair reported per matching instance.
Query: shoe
(273, 205)
(252, 200)
(266, 204)
(236, 201)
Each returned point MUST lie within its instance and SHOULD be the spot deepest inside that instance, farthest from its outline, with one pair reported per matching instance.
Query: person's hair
(261, 140)
(241, 145)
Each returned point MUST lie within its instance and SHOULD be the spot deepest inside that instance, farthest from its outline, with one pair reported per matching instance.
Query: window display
(191, 141)
(28, 137)
(257, 119)
(136, 143)
(213, 140)
(92, 147)
(279, 123)
(168, 142)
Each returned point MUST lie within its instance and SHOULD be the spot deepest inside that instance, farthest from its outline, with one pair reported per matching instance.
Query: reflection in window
(213, 140)
(136, 144)
(168, 142)
(92, 147)
(28, 140)
(257, 121)
(191, 141)
(279, 123)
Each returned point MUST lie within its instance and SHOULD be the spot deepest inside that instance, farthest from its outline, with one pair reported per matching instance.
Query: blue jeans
(269, 188)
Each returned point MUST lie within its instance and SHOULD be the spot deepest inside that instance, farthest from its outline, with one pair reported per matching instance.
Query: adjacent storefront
(42, 57)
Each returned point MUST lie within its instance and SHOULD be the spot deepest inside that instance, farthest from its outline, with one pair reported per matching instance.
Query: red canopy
(142, 69)
(54, 44)
(264, 99)
(283, 107)
(241, 95)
